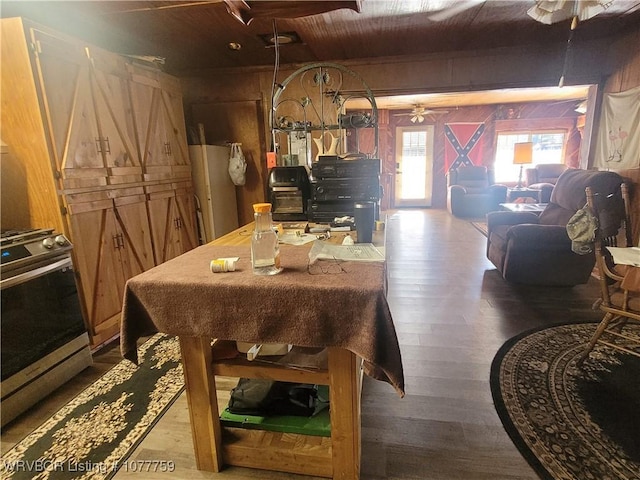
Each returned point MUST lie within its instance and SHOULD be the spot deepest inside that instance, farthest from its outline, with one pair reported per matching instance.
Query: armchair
(543, 177)
(472, 193)
(537, 250)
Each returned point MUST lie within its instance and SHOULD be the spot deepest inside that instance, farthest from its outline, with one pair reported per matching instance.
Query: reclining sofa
(536, 250)
(543, 177)
(471, 192)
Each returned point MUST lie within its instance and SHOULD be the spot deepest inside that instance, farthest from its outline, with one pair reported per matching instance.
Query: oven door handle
(38, 272)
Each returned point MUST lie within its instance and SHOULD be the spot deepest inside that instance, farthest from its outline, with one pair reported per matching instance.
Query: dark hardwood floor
(452, 312)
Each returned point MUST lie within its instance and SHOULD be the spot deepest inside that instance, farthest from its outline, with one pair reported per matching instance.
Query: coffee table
(524, 192)
(536, 208)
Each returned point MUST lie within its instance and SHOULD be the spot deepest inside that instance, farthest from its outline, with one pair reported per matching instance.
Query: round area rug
(568, 421)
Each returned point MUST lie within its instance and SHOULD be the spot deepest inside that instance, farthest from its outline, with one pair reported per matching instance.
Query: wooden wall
(476, 70)
(626, 69)
(14, 202)
(552, 116)
(240, 122)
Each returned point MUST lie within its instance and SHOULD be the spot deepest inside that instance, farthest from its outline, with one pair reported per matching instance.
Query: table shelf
(277, 451)
(217, 445)
(242, 368)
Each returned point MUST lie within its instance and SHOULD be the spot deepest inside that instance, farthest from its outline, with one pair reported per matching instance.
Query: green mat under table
(318, 425)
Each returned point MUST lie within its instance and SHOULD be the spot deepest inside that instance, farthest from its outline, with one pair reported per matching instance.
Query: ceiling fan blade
(420, 112)
(458, 7)
(548, 12)
(246, 10)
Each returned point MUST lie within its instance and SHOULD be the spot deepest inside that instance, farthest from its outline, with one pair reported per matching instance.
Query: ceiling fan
(544, 11)
(418, 113)
(246, 10)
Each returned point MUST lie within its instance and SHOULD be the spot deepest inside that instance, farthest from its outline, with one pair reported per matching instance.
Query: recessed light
(283, 38)
(234, 46)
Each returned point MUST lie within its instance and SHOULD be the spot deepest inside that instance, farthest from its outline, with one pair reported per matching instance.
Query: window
(548, 147)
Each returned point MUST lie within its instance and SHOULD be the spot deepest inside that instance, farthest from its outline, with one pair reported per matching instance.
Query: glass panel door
(414, 166)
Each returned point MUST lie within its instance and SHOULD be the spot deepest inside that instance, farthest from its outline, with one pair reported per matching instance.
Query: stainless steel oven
(43, 338)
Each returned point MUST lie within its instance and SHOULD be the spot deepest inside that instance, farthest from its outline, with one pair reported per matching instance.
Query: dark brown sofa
(536, 250)
(471, 192)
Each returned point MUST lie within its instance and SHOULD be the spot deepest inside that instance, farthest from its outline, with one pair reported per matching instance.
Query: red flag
(463, 145)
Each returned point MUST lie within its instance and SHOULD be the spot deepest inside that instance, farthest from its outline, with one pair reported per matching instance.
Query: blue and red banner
(463, 145)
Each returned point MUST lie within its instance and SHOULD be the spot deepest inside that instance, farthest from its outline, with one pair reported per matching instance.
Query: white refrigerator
(214, 189)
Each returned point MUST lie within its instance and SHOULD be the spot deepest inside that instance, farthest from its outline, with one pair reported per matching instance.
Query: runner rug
(481, 227)
(92, 436)
(570, 422)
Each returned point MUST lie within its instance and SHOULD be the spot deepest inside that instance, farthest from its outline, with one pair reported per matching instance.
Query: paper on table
(360, 252)
(626, 255)
(296, 239)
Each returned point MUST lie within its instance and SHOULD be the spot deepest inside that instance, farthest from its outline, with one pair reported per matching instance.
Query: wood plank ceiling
(196, 34)
(193, 35)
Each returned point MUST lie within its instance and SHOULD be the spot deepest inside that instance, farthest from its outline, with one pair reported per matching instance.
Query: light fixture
(283, 38)
(234, 46)
(522, 155)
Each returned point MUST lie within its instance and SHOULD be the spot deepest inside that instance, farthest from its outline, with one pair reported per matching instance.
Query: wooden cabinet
(111, 88)
(102, 147)
(159, 117)
(113, 237)
(173, 225)
(86, 100)
(62, 73)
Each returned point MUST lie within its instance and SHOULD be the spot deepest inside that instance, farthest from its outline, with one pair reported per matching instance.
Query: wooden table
(215, 445)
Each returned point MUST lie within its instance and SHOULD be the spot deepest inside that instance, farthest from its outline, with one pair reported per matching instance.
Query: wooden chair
(620, 305)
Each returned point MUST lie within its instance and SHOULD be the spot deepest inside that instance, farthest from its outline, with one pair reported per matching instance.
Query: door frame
(430, 152)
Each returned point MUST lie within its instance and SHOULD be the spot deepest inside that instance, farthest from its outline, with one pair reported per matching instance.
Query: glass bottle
(265, 251)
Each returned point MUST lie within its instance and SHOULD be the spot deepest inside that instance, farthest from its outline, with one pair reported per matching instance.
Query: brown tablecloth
(347, 310)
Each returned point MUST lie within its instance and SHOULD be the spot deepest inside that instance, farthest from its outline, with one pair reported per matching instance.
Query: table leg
(344, 391)
(203, 404)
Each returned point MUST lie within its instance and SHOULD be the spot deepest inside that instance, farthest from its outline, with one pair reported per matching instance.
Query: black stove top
(29, 248)
(21, 235)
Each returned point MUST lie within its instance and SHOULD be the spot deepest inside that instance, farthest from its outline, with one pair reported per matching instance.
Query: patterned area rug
(92, 436)
(570, 422)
